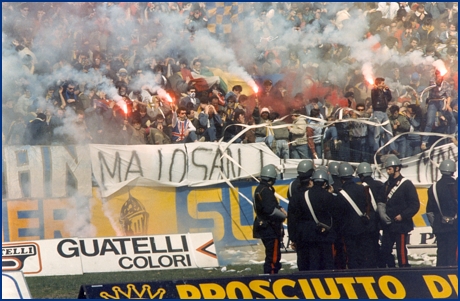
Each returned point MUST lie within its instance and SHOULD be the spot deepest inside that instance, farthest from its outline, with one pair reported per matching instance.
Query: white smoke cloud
(79, 224)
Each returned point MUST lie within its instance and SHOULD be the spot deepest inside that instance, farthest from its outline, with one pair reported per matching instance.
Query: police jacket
(403, 201)
(376, 188)
(446, 189)
(337, 183)
(269, 220)
(304, 228)
(296, 187)
(380, 99)
(352, 223)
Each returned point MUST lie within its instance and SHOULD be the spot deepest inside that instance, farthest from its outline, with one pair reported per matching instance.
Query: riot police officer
(305, 169)
(315, 234)
(268, 224)
(355, 221)
(374, 191)
(401, 204)
(442, 211)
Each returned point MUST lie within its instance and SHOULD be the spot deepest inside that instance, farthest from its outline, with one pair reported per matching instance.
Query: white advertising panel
(38, 258)
(73, 256)
(139, 253)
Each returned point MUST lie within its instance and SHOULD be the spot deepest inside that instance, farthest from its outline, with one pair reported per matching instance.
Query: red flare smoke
(442, 72)
(370, 80)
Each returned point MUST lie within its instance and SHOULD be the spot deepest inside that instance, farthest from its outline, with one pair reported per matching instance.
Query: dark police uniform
(403, 201)
(314, 248)
(268, 226)
(376, 188)
(358, 243)
(446, 233)
(296, 188)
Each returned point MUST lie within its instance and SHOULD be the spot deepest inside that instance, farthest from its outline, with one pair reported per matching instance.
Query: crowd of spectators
(141, 73)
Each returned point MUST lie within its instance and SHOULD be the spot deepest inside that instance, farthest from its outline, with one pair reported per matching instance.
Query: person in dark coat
(442, 214)
(374, 194)
(381, 96)
(340, 258)
(401, 204)
(305, 170)
(234, 127)
(268, 224)
(314, 240)
(355, 225)
(36, 131)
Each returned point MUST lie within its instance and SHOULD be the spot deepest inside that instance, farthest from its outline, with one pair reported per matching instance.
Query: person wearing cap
(36, 131)
(355, 221)
(123, 75)
(268, 224)
(438, 100)
(400, 204)
(263, 134)
(305, 170)
(314, 239)
(442, 208)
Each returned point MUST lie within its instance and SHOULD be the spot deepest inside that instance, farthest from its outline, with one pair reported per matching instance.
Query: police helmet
(333, 168)
(331, 180)
(392, 160)
(364, 169)
(304, 166)
(268, 172)
(447, 167)
(345, 170)
(320, 175)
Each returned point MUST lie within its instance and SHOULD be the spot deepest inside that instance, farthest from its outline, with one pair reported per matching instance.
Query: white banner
(421, 169)
(59, 171)
(192, 164)
(46, 171)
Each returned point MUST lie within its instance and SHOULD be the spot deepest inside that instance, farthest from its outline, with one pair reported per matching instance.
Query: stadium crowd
(348, 76)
